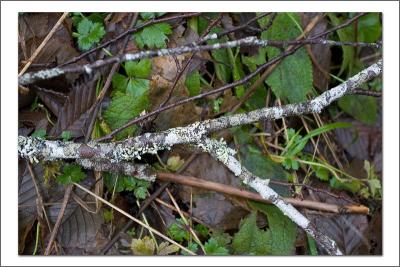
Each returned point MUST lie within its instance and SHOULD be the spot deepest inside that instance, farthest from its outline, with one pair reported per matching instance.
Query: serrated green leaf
(292, 79)
(192, 247)
(213, 248)
(223, 239)
(201, 229)
(321, 172)
(361, 107)
(250, 240)
(123, 108)
(84, 26)
(89, 33)
(138, 69)
(140, 192)
(138, 87)
(120, 82)
(177, 232)
(283, 230)
(192, 83)
(153, 36)
(96, 33)
(72, 173)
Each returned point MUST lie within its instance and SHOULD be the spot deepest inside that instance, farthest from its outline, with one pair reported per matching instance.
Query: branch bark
(36, 149)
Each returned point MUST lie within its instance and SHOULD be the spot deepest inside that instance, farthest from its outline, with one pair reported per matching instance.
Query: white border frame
(9, 113)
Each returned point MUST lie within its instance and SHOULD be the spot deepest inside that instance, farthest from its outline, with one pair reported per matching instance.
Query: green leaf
(72, 173)
(89, 33)
(192, 83)
(369, 28)
(292, 79)
(66, 135)
(84, 26)
(153, 36)
(140, 192)
(373, 180)
(123, 108)
(213, 248)
(223, 239)
(312, 246)
(177, 232)
(353, 186)
(250, 240)
(201, 229)
(192, 247)
(361, 107)
(222, 63)
(299, 144)
(137, 87)
(217, 104)
(41, 133)
(120, 82)
(108, 215)
(321, 172)
(283, 230)
(140, 69)
(150, 15)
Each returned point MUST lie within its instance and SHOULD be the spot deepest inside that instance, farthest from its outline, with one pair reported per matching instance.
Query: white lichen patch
(28, 148)
(87, 69)
(40, 75)
(221, 152)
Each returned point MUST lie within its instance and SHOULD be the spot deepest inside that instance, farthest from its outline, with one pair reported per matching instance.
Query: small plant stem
(37, 238)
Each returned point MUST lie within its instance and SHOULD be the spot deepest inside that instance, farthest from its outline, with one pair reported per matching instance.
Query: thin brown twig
(53, 235)
(43, 44)
(230, 190)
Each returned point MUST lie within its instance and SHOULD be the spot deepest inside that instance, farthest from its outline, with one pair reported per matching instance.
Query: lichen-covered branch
(32, 77)
(36, 149)
(220, 151)
(103, 155)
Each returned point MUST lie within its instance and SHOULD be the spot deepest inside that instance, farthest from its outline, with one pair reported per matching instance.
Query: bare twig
(30, 78)
(67, 195)
(231, 190)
